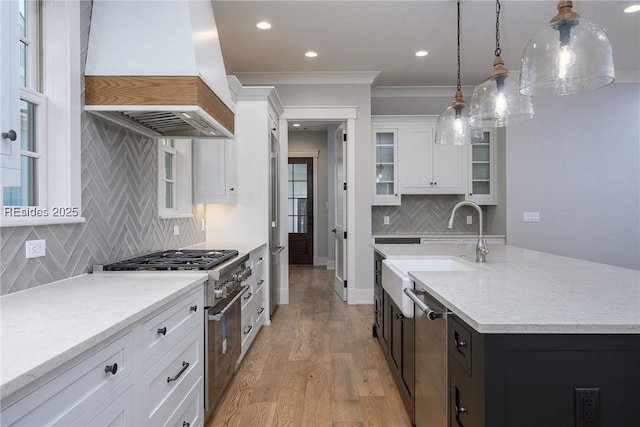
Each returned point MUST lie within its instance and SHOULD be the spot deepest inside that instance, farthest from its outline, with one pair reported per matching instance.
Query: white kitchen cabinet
(124, 380)
(426, 167)
(385, 166)
(254, 303)
(482, 182)
(215, 171)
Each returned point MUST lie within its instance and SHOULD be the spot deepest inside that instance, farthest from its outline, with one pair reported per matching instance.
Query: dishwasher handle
(431, 314)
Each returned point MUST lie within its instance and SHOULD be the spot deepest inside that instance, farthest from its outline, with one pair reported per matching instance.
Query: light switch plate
(176, 230)
(35, 248)
(530, 216)
(385, 220)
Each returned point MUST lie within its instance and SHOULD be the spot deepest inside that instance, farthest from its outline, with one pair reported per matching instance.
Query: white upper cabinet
(385, 166)
(215, 171)
(482, 183)
(426, 167)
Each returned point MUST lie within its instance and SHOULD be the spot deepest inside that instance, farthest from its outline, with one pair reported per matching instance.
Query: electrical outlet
(587, 406)
(35, 248)
(530, 216)
(176, 230)
(469, 219)
(385, 220)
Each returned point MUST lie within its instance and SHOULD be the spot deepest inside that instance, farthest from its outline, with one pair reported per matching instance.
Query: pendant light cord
(459, 84)
(498, 51)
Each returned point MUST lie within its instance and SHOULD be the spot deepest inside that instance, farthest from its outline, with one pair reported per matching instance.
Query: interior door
(300, 210)
(340, 283)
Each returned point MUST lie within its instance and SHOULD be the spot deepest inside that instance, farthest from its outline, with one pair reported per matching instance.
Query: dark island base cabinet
(528, 380)
(396, 335)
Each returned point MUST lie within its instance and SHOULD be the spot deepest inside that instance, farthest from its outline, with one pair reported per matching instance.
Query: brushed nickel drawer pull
(185, 365)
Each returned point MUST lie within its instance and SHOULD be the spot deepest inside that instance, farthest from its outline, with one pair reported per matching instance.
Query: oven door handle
(218, 316)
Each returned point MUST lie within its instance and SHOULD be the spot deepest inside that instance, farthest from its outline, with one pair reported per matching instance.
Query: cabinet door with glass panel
(385, 167)
(482, 168)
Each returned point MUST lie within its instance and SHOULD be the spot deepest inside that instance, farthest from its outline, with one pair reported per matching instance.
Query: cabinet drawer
(169, 380)
(110, 411)
(248, 295)
(66, 397)
(163, 332)
(459, 344)
(189, 413)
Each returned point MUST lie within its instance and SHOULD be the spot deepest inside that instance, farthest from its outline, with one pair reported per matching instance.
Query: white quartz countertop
(524, 291)
(243, 247)
(43, 327)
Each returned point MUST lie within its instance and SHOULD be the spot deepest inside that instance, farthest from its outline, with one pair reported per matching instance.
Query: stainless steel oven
(227, 271)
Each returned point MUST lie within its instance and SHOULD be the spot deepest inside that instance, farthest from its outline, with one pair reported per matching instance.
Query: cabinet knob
(461, 410)
(11, 135)
(377, 312)
(398, 316)
(435, 183)
(185, 424)
(471, 194)
(162, 331)
(431, 183)
(111, 369)
(461, 344)
(193, 308)
(231, 189)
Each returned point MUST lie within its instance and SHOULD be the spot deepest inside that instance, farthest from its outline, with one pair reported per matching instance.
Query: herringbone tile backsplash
(423, 215)
(119, 203)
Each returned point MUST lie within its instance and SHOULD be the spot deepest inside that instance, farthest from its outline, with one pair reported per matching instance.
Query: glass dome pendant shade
(452, 126)
(570, 55)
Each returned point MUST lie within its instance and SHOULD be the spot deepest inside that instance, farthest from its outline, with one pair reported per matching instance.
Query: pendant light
(452, 127)
(497, 102)
(570, 55)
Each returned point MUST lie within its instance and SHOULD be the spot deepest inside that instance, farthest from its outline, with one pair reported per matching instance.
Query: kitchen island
(533, 338)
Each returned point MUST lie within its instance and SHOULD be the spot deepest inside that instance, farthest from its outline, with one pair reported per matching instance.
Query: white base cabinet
(254, 303)
(127, 381)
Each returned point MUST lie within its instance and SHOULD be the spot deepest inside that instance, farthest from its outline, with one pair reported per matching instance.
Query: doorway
(300, 209)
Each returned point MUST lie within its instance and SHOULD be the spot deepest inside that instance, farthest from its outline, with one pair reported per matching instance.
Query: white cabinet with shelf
(482, 183)
(385, 168)
(215, 171)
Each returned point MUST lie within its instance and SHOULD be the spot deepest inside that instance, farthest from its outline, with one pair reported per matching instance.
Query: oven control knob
(217, 293)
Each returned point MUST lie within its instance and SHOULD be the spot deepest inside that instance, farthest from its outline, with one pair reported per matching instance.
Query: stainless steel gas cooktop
(175, 260)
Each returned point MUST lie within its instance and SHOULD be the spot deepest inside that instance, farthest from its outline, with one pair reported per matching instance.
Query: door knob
(11, 135)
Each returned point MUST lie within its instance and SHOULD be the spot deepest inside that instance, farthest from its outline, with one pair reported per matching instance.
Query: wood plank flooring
(315, 365)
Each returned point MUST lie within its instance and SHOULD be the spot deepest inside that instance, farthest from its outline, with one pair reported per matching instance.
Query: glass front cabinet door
(482, 168)
(385, 167)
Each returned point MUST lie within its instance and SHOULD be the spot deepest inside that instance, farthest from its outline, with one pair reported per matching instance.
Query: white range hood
(156, 67)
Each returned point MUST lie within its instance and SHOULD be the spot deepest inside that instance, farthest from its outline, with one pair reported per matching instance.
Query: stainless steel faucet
(481, 247)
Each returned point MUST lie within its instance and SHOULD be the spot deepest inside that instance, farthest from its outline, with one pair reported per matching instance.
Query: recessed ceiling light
(311, 54)
(263, 25)
(422, 53)
(632, 8)
(296, 125)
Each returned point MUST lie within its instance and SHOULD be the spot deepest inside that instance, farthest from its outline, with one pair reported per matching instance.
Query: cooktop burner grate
(175, 260)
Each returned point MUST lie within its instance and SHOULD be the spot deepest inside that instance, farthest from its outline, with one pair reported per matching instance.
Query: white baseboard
(359, 296)
(331, 264)
(319, 260)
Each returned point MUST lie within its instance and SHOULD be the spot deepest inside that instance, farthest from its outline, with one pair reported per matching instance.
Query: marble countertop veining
(524, 291)
(44, 327)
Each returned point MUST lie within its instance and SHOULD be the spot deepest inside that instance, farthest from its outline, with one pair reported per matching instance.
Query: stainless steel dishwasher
(431, 393)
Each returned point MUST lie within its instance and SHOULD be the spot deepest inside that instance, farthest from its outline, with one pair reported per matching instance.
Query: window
(40, 102)
(174, 178)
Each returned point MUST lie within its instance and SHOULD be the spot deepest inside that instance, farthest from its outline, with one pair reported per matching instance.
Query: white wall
(578, 164)
(358, 95)
(317, 141)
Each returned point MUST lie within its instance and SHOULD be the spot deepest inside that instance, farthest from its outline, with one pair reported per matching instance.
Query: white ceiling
(384, 35)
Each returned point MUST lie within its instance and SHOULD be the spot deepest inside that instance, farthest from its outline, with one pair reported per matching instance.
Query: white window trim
(62, 86)
(182, 177)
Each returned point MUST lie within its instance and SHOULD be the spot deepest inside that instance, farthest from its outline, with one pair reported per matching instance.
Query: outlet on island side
(587, 406)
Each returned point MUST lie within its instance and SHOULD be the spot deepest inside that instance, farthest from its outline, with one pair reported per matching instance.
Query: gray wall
(118, 202)
(301, 140)
(578, 164)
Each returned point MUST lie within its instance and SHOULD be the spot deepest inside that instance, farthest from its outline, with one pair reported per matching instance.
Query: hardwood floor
(315, 365)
